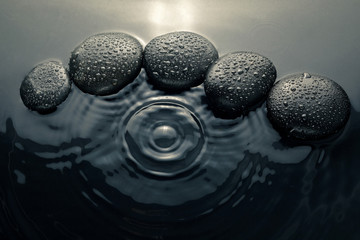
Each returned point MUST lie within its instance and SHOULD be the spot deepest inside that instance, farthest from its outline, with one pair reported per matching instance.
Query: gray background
(320, 36)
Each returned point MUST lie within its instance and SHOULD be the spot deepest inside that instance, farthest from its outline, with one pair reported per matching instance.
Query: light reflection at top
(171, 15)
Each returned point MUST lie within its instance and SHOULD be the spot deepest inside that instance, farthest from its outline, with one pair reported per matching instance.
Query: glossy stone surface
(179, 60)
(105, 63)
(308, 106)
(45, 87)
(237, 82)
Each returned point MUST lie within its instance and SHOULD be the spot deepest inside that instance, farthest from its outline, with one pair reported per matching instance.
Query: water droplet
(164, 136)
(307, 75)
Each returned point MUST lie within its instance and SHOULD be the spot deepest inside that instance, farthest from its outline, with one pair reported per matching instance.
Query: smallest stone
(45, 87)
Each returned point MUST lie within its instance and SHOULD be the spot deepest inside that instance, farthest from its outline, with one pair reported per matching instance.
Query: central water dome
(164, 138)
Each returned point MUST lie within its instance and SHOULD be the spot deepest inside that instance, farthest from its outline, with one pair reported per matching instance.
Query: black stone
(105, 63)
(308, 107)
(45, 87)
(238, 82)
(179, 60)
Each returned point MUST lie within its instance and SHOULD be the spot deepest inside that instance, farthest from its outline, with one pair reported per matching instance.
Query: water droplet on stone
(307, 75)
(99, 53)
(229, 104)
(45, 87)
(193, 55)
(315, 124)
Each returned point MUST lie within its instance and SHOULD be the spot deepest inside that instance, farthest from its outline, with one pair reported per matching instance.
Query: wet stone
(105, 63)
(45, 87)
(179, 60)
(238, 82)
(308, 107)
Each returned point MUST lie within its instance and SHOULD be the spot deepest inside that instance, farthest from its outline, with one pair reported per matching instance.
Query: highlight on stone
(308, 106)
(238, 82)
(105, 63)
(177, 61)
(45, 87)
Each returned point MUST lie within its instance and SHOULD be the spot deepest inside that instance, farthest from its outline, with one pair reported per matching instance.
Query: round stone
(179, 60)
(308, 106)
(45, 87)
(238, 82)
(105, 63)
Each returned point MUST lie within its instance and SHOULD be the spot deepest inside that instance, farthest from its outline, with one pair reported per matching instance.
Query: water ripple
(158, 165)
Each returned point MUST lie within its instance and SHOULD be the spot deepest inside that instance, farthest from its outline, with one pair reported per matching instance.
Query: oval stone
(179, 60)
(238, 82)
(45, 87)
(308, 106)
(105, 63)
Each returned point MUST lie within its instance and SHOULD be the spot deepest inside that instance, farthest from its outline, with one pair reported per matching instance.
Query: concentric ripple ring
(164, 137)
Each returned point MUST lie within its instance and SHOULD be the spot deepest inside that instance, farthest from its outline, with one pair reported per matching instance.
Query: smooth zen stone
(45, 87)
(179, 60)
(238, 82)
(308, 107)
(105, 63)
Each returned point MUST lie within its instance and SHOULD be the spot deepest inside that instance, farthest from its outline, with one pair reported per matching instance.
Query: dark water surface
(146, 164)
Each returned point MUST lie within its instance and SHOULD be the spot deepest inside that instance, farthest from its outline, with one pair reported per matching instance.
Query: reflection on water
(145, 163)
(162, 14)
(109, 169)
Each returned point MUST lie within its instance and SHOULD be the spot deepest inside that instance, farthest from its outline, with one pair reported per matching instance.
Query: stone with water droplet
(251, 90)
(194, 54)
(319, 108)
(104, 57)
(45, 87)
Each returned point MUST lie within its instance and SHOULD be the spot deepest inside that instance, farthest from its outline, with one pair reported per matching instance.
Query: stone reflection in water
(119, 174)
